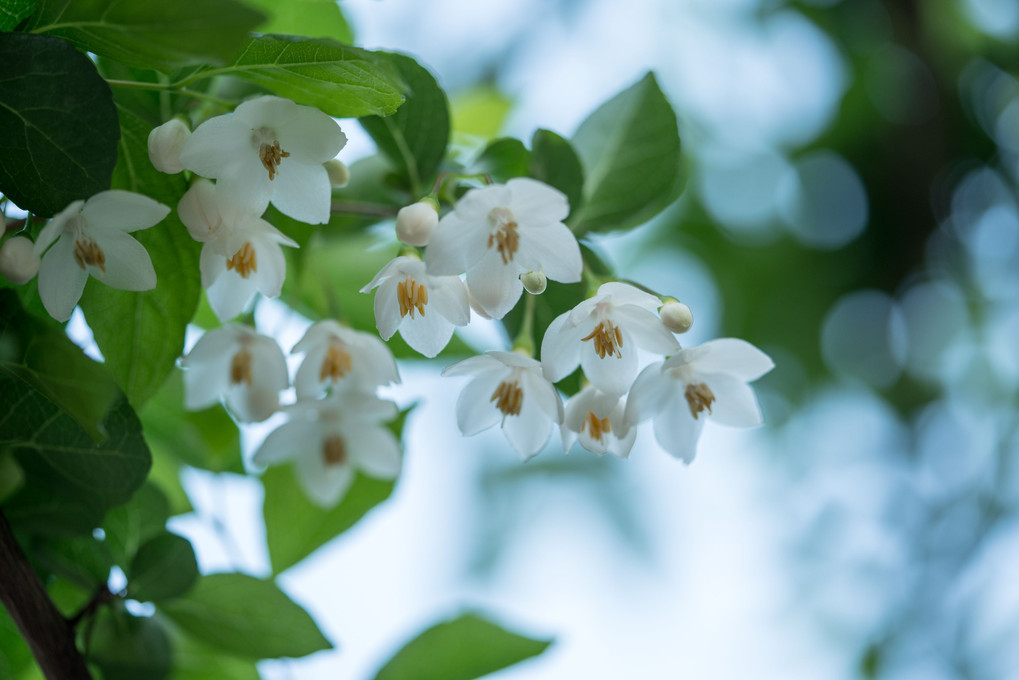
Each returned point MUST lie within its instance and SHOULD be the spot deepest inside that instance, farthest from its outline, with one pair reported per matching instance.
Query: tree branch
(48, 634)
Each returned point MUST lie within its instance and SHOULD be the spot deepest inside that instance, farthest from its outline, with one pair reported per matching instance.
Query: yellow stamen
(337, 362)
(608, 340)
(596, 426)
(244, 260)
(508, 398)
(240, 367)
(89, 252)
(412, 295)
(334, 450)
(699, 397)
(271, 155)
(506, 241)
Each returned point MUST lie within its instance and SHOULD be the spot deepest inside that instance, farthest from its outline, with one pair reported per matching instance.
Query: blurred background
(850, 208)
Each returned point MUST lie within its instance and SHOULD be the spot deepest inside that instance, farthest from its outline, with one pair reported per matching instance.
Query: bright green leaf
(342, 81)
(554, 162)
(14, 653)
(127, 647)
(59, 124)
(503, 159)
(247, 616)
(12, 13)
(415, 137)
(130, 525)
(462, 649)
(164, 567)
(151, 33)
(69, 598)
(141, 334)
(480, 112)
(193, 660)
(312, 18)
(630, 151)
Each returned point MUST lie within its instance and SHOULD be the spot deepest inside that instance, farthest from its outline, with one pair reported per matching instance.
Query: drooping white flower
(596, 420)
(18, 261)
(708, 380)
(242, 367)
(416, 222)
(241, 252)
(499, 232)
(269, 149)
(92, 238)
(508, 389)
(423, 307)
(165, 144)
(602, 334)
(329, 440)
(342, 358)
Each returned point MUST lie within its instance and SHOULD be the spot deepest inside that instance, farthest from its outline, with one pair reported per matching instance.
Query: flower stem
(363, 208)
(524, 342)
(170, 89)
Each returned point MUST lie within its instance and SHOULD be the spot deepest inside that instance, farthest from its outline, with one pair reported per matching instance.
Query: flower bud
(676, 316)
(339, 173)
(165, 144)
(534, 282)
(415, 223)
(18, 261)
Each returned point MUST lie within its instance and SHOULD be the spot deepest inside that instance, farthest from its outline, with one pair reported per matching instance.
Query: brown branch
(362, 208)
(48, 634)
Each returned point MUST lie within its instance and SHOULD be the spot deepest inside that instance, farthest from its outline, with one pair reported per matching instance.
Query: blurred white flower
(343, 358)
(708, 380)
(329, 440)
(92, 238)
(165, 144)
(507, 388)
(596, 420)
(237, 364)
(269, 149)
(499, 232)
(602, 335)
(18, 260)
(241, 252)
(424, 308)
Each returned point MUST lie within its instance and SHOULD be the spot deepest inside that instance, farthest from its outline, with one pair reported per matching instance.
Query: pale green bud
(165, 144)
(534, 282)
(676, 316)
(339, 173)
(416, 222)
(18, 261)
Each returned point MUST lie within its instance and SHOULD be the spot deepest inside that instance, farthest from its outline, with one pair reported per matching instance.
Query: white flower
(165, 144)
(269, 149)
(507, 388)
(424, 308)
(707, 380)
(92, 238)
(234, 362)
(499, 232)
(343, 358)
(18, 261)
(416, 222)
(602, 335)
(596, 420)
(241, 252)
(329, 439)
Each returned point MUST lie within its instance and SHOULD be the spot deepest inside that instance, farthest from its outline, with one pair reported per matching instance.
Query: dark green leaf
(503, 159)
(35, 510)
(164, 567)
(630, 151)
(462, 649)
(59, 124)
(127, 647)
(311, 18)
(12, 477)
(12, 13)
(554, 162)
(84, 561)
(342, 81)
(415, 137)
(151, 33)
(142, 334)
(130, 525)
(287, 506)
(247, 616)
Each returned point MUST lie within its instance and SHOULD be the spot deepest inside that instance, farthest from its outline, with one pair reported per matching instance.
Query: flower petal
(123, 210)
(676, 430)
(302, 192)
(476, 365)
(324, 484)
(288, 441)
(128, 266)
(307, 382)
(428, 333)
(199, 210)
(646, 329)
(532, 200)
(61, 280)
(625, 294)
(203, 385)
(229, 294)
(310, 136)
(55, 227)
(560, 348)
(474, 408)
(218, 146)
(448, 297)
(529, 430)
(375, 451)
(735, 403)
(648, 394)
(495, 286)
(387, 309)
(611, 374)
(552, 249)
(735, 357)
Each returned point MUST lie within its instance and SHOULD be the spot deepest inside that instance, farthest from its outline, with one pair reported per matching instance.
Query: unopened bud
(339, 173)
(676, 316)
(165, 145)
(534, 282)
(416, 222)
(18, 261)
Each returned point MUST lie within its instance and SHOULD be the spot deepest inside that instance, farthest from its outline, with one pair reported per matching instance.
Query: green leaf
(630, 151)
(59, 125)
(342, 81)
(503, 159)
(480, 112)
(127, 647)
(164, 567)
(130, 525)
(12, 477)
(311, 18)
(142, 334)
(554, 162)
(247, 616)
(151, 33)
(287, 507)
(193, 660)
(415, 137)
(462, 649)
(35, 510)
(15, 656)
(84, 561)
(12, 13)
